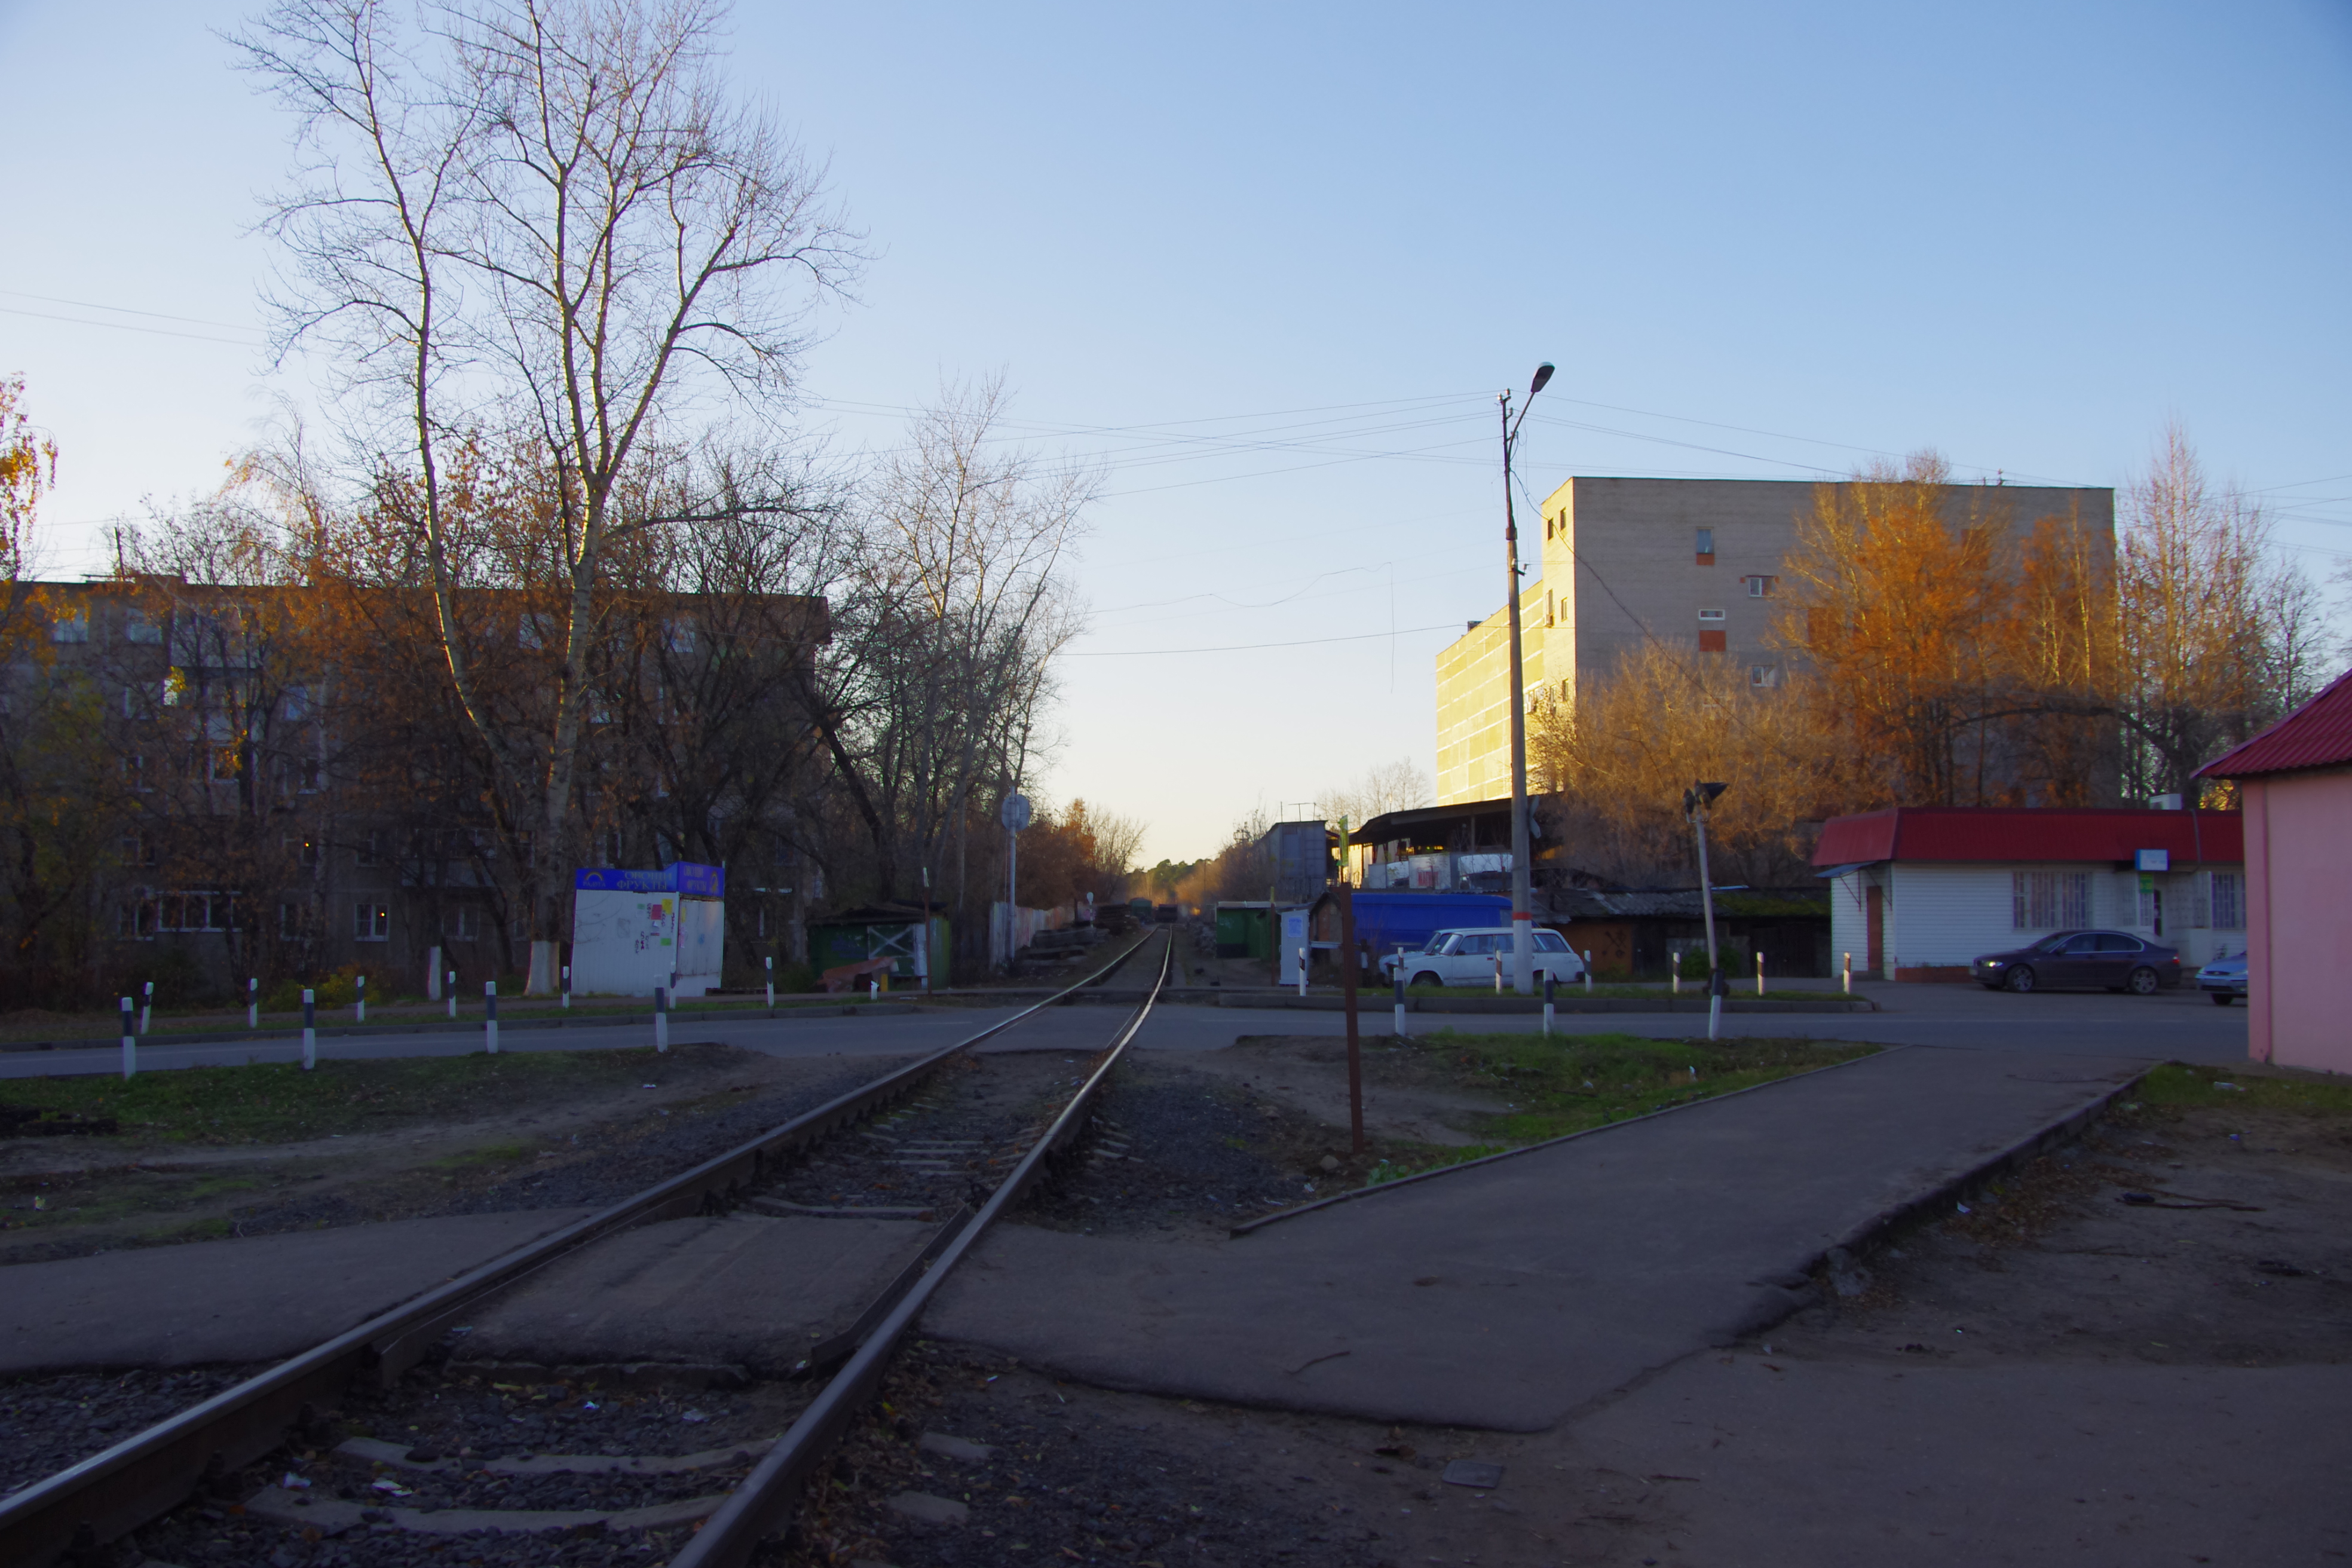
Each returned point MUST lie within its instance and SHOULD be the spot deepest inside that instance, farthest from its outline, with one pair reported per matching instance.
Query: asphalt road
(2181, 1024)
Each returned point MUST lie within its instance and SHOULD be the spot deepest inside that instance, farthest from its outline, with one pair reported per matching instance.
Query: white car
(1467, 957)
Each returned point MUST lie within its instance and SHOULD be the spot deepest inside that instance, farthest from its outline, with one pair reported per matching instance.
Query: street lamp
(1696, 800)
(1523, 938)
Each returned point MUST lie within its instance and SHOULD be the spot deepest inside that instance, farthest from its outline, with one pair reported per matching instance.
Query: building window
(1763, 675)
(1706, 542)
(1762, 587)
(70, 629)
(2049, 901)
(138, 626)
(1710, 614)
(461, 924)
(371, 849)
(289, 922)
(370, 922)
(2229, 905)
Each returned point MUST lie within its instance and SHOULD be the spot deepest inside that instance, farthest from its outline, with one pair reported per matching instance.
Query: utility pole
(1523, 937)
(1696, 800)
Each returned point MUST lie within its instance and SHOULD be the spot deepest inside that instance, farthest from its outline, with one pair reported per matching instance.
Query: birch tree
(538, 215)
(2218, 637)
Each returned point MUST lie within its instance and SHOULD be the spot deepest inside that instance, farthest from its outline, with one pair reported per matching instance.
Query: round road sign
(1014, 812)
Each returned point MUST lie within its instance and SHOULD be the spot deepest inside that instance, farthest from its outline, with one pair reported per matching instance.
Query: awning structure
(1834, 872)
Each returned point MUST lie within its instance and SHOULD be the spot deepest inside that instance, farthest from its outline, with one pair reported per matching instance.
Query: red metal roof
(2317, 736)
(2028, 833)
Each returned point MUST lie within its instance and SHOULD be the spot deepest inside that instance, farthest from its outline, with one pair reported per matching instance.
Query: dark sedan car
(2115, 959)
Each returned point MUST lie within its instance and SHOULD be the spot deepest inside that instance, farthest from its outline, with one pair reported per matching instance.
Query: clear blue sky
(1756, 243)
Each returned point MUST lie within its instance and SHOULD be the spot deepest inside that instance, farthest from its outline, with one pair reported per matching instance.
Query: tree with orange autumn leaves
(1944, 651)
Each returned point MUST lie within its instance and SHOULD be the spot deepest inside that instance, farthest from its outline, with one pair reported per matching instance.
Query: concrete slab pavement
(1509, 1294)
(749, 1291)
(258, 1298)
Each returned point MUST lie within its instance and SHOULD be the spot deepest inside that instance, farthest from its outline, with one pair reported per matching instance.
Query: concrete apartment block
(1698, 562)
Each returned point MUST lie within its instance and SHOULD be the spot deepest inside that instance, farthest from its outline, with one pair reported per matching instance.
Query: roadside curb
(293, 1035)
(1526, 1006)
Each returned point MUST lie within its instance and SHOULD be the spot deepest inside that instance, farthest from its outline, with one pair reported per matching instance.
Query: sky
(1267, 268)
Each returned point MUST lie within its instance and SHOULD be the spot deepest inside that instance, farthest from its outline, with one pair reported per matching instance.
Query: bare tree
(537, 215)
(1400, 786)
(934, 693)
(2219, 638)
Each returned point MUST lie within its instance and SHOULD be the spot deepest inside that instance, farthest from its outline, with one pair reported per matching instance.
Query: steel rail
(115, 1491)
(763, 1504)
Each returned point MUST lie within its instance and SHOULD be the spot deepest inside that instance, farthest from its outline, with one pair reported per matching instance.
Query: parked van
(1461, 957)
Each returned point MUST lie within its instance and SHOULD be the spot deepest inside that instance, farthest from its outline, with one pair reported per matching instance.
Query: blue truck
(1386, 920)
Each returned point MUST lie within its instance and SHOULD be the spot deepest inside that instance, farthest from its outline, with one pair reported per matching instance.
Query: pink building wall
(2299, 918)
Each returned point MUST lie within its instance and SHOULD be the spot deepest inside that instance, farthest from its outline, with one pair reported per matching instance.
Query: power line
(128, 326)
(1248, 646)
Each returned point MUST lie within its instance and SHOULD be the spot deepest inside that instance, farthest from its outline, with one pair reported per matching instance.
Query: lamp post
(1523, 939)
(1696, 800)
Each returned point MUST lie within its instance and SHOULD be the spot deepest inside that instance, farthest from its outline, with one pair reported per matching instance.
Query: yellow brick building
(1617, 562)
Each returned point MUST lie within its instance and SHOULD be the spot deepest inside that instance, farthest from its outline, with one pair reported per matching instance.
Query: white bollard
(1400, 996)
(310, 1030)
(359, 983)
(450, 986)
(129, 1043)
(1550, 981)
(1759, 974)
(661, 1019)
(253, 1002)
(1845, 978)
(1588, 972)
(147, 1007)
(490, 1017)
(772, 986)
(1498, 974)
(567, 987)
(1674, 975)
(1304, 953)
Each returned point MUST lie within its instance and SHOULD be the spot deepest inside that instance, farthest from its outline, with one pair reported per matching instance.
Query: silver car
(1468, 957)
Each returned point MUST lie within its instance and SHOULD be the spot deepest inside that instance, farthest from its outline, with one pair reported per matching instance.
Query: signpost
(1347, 956)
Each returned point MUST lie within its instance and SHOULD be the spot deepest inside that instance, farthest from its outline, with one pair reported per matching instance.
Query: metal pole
(490, 1017)
(1347, 995)
(1523, 941)
(1715, 978)
(130, 1042)
(310, 1030)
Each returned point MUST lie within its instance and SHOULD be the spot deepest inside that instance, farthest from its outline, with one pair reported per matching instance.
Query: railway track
(929, 1145)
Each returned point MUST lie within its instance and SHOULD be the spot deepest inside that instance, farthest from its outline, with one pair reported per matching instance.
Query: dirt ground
(574, 1145)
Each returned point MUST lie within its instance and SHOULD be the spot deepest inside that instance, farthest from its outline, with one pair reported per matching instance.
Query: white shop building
(1919, 891)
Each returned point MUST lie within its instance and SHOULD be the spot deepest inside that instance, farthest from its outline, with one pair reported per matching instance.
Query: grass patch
(2180, 1086)
(1571, 1082)
(280, 1103)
